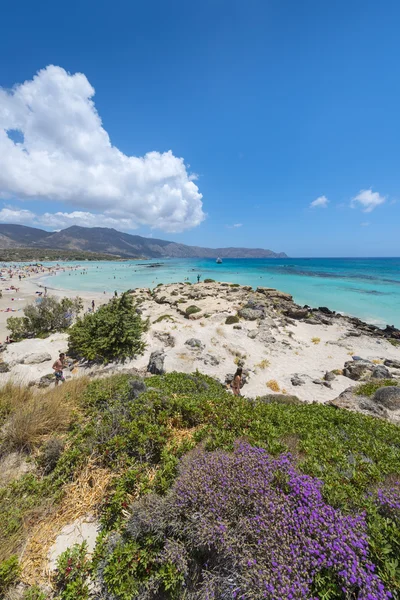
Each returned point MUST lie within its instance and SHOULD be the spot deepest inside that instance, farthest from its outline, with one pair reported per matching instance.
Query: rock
(237, 327)
(84, 529)
(312, 321)
(359, 358)
(297, 313)
(358, 370)
(350, 401)
(265, 336)
(194, 343)
(165, 337)
(273, 293)
(329, 376)
(46, 380)
(389, 397)
(251, 314)
(156, 363)
(394, 364)
(381, 372)
(322, 382)
(253, 333)
(296, 380)
(4, 367)
(35, 358)
(137, 387)
(326, 310)
(210, 359)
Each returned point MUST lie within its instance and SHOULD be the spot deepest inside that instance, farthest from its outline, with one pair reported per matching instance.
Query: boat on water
(219, 261)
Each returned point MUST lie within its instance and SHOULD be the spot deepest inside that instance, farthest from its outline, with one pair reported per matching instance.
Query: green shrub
(113, 332)
(209, 281)
(234, 285)
(369, 388)
(231, 320)
(164, 318)
(192, 309)
(73, 568)
(45, 317)
(9, 573)
(34, 593)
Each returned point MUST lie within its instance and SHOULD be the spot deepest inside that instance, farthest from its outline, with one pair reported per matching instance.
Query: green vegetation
(45, 317)
(192, 309)
(164, 318)
(73, 568)
(369, 388)
(114, 331)
(234, 285)
(209, 281)
(51, 254)
(9, 573)
(231, 320)
(143, 438)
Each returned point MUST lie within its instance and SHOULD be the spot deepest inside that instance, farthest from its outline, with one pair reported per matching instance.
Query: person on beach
(58, 367)
(92, 305)
(237, 382)
(198, 278)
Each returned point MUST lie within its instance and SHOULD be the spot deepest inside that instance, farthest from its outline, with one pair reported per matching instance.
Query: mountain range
(111, 241)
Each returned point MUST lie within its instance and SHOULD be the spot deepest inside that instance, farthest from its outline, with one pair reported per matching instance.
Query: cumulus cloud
(320, 202)
(368, 200)
(61, 220)
(53, 147)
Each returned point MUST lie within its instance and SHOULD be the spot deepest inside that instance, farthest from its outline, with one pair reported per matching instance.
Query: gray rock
(4, 367)
(312, 321)
(297, 313)
(350, 401)
(322, 382)
(296, 380)
(329, 376)
(165, 337)
(251, 314)
(194, 343)
(265, 336)
(389, 397)
(326, 310)
(381, 372)
(253, 333)
(358, 369)
(35, 358)
(156, 363)
(46, 380)
(237, 327)
(210, 359)
(273, 293)
(394, 364)
(137, 387)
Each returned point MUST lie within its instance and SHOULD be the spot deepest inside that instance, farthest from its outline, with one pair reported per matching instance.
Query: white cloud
(320, 202)
(235, 226)
(368, 200)
(66, 155)
(61, 220)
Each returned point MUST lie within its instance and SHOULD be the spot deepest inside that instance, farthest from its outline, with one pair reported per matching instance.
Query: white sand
(292, 352)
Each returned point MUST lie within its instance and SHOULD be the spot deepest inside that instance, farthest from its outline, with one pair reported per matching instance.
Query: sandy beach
(275, 350)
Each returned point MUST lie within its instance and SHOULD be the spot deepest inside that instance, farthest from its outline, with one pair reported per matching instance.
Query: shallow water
(368, 288)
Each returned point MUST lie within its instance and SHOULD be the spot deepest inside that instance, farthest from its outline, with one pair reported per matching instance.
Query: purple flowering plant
(246, 525)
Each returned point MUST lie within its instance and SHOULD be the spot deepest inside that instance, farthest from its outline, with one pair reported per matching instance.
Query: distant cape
(111, 241)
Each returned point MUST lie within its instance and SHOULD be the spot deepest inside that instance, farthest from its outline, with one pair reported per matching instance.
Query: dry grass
(377, 361)
(273, 385)
(264, 364)
(315, 340)
(13, 396)
(36, 415)
(82, 497)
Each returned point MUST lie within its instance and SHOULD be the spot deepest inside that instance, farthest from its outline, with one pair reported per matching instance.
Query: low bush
(209, 280)
(192, 309)
(51, 453)
(34, 593)
(273, 385)
(9, 573)
(113, 332)
(164, 318)
(242, 525)
(73, 568)
(234, 285)
(231, 320)
(47, 315)
(370, 387)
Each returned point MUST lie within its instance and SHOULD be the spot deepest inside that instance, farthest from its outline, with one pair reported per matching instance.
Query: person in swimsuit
(237, 381)
(58, 367)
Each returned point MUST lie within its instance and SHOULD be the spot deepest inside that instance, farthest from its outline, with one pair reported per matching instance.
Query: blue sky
(272, 105)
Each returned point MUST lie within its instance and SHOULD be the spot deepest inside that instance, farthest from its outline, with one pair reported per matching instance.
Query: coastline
(283, 347)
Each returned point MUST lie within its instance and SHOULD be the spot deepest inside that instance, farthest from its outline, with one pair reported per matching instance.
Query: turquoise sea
(368, 288)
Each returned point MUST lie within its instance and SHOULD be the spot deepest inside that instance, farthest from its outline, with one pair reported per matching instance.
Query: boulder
(322, 382)
(156, 363)
(253, 333)
(351, 401)
(165, 337)
(326, 310)
(358, 369)
(194, 343)
(297, 313)
(329, 376)
(35, 358)
(389, 397)
(273, 293)
(313, 321)
(4, 367)
(251, 314)
(210, 359)
(394, 364)
(296, 380)
(381, 372)
(46, 380)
